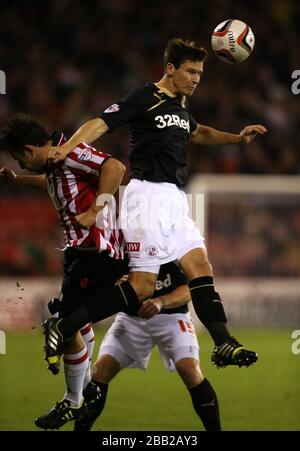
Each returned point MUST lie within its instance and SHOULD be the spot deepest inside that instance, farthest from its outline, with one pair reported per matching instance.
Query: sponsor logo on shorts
(112, 109)
(186, 326)
(133, 249)
(151, 251)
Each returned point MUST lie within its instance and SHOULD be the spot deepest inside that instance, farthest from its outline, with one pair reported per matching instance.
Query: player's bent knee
(190, 372)
(105, 369)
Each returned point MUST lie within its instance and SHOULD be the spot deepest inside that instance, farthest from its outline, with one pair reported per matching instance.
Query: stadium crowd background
(66, 61)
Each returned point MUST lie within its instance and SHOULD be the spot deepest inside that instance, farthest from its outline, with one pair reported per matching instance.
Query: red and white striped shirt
(73, 185)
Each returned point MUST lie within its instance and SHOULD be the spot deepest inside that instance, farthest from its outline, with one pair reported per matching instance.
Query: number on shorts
(186, 326)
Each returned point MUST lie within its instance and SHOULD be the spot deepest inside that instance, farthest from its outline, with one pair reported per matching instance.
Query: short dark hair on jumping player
(19, 131)
(178, 51)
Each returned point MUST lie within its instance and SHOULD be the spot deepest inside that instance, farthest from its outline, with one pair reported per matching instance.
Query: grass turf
(263, 397)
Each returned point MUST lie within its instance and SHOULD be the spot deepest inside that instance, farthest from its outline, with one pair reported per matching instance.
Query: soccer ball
(232, 41)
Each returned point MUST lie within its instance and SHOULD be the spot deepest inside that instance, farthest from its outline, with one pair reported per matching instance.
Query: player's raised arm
(87, 133)
(110, 178)
(130, 106)
(212, 137)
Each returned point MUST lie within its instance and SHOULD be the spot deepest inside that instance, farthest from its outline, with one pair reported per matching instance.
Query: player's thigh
(195, 263)
(147, 222)
(110, 269)
(71, 287)
(175, 337)
(128, 341)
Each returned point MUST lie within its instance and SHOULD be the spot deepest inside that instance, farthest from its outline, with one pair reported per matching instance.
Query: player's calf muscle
(189, 372)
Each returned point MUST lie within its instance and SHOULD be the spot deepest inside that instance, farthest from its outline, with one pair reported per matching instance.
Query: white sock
(88, 336)
(75, 366)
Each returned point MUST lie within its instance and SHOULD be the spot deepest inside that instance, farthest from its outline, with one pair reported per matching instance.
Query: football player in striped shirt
(93, 256)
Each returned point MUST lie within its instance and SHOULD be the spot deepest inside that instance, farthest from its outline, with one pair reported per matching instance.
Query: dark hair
(178, 51)
(19, 131)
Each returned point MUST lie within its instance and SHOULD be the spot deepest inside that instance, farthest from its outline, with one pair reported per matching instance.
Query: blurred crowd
(30, 237)
(66, 61)
(254, 235)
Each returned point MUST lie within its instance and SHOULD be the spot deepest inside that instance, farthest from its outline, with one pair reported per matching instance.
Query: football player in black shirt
(164, 321)
(154, 215)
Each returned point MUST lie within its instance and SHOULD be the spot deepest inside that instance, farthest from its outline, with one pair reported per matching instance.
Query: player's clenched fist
(57, 154)
(8, 175)
(150, 308)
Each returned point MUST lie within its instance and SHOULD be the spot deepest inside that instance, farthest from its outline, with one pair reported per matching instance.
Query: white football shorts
(130, 340)
(156, 225)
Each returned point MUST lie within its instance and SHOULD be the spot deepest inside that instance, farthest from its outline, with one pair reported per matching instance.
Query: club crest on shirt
(112, 109)
(151, 251)
(85, 155)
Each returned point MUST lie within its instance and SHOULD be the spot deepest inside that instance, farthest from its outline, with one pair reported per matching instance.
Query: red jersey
(73, 185)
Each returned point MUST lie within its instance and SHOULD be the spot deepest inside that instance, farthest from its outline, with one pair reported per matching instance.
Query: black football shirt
(159, 125)
(169, 278)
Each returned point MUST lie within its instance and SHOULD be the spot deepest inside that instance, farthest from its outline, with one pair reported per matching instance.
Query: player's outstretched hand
(87, 219)
(248, 133)
(150, 308)
(8, 175)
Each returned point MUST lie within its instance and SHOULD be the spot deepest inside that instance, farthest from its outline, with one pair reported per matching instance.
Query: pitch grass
(263, 397)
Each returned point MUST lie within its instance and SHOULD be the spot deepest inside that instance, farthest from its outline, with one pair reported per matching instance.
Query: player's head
(20, 131)
(183, 65)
